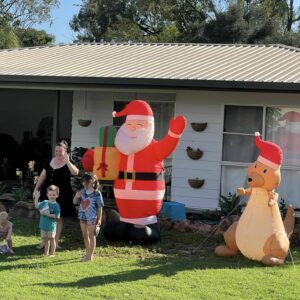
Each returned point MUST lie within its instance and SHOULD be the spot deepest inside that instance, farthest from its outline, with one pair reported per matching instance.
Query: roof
(177, 65)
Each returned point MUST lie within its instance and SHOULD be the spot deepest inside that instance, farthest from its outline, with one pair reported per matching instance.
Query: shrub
(21, 194)
(230, 204)
(3, 187)
(282, 207)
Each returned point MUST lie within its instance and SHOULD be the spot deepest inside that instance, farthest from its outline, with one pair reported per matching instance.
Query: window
(283, 128)
(240, 123)
(280, 125)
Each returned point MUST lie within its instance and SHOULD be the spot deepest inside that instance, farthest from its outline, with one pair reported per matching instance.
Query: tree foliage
(209, 21)
(31, 37)
(16, 18)
(8, 38)
(25, 13)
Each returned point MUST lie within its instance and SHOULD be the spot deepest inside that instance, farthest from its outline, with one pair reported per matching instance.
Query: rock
(185, 225)
(226, 223)
(2, 207)
(24, 209)
(7, 197)
(194, 228)
(204, 228)
(28, 205)
(179, 226)
(166, 224)
(295, 238)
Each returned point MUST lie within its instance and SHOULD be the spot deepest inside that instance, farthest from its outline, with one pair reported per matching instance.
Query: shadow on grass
(47, 261)
(21, 252)
(198, 257)
(163, 267)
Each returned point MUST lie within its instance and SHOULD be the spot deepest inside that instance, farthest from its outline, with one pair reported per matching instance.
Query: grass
(179, 267)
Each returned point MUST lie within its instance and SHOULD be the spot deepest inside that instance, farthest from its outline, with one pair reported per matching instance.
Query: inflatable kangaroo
(260, 234)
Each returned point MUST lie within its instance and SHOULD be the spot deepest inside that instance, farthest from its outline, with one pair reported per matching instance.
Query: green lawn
(176, 268)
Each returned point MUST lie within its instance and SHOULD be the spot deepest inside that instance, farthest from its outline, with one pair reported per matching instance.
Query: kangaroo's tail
(289, 221)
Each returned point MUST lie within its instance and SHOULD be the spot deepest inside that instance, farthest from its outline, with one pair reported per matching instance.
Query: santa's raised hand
(177, 125)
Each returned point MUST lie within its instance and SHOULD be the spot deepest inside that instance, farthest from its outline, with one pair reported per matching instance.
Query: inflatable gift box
(106, 156)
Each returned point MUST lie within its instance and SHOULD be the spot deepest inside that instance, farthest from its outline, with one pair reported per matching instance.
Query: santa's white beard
(128, 142)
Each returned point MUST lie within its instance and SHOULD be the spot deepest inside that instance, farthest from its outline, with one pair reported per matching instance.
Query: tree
(8, 38)
(31, 37)
(123, 20)
(25, 13)
(16, 17)
(285, 12)
(96, 17)
(209, 21)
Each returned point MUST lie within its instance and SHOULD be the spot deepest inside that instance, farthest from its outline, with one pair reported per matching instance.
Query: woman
(58, 171)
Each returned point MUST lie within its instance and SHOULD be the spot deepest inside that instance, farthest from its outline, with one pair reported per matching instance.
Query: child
(50, 212)
(90, 212)
(5, 233)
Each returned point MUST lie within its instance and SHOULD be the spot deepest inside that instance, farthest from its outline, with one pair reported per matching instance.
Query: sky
(62, 15)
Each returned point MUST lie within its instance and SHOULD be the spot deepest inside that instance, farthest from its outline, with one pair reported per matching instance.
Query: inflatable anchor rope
(291, 257)
(216, 227)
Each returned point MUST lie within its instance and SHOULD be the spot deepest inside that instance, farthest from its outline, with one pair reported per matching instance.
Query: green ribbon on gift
(107, 136)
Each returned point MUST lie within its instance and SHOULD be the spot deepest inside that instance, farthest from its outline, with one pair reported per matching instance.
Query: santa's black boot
(115, 231)
(143, 234)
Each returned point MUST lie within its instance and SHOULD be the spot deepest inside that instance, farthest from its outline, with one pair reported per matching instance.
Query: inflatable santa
(140, 186)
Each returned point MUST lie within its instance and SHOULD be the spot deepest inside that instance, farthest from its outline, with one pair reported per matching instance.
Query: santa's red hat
(270, 153)
(291, 116)
(136, 110)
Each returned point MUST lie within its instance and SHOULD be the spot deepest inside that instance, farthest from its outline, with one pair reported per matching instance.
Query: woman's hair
(62, 143)
(3, 215)
(89, 176)
(53, 188)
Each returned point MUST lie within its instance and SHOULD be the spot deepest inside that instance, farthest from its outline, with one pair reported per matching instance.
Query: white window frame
(245, 164)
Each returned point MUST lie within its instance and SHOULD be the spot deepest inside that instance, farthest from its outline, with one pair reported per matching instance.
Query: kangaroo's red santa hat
(270, 153)
(136, 110)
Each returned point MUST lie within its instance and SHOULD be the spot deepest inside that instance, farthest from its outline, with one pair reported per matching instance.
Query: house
(235, 89)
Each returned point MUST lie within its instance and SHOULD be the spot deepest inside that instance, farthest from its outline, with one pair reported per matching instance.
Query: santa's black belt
(140, 176)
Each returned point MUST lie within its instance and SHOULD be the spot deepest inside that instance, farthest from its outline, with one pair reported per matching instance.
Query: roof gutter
(11, 81)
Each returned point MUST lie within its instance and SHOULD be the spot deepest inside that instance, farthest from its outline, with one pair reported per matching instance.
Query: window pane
(283, 128)
(163, 112)
(239, 148)
(118, 106)
(289, 188)
(232, 178)
(243, 119)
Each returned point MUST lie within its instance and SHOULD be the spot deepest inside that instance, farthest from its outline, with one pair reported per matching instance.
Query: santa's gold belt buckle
(129, 175)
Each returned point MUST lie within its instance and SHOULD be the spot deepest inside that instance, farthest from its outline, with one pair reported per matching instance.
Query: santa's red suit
(140, 188)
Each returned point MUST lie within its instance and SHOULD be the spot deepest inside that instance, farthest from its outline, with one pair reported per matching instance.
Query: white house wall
(99, 110)
(197, 106)
(208, 106)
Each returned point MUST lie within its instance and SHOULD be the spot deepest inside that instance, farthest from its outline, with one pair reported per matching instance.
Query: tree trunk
(290, 16)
